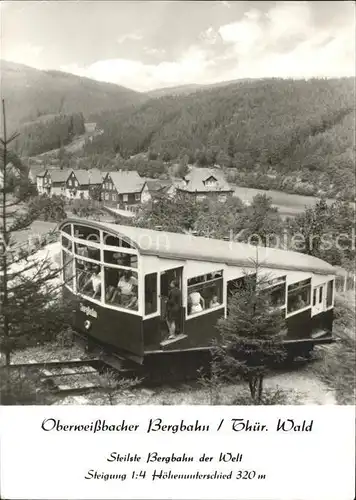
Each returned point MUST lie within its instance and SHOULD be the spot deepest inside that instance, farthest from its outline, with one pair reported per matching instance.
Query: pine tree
(32, 310)
(251, 334)
(262, 222)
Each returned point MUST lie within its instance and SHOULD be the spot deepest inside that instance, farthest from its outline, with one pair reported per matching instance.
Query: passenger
(197, 303)
(82, 251)
(300, 304)
(173, 309)
(111, 280)
(124, 289)
(214, 301)
(83, 271)
(118, 259)
(95, 282)
(133, 304)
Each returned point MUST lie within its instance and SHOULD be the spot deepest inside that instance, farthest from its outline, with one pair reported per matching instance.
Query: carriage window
(120, 259)
(88, 275)
(66, 243)
(87, 251)
(320, 294)
(204, 277)
(205, 292)
(86, 233)
(112, 241)
(299, 295)
(314, 297)
(276, 289)
(278, 295)
(121, 288)
(67, 229)
(151, 293)
(68, 273)
(329, 294)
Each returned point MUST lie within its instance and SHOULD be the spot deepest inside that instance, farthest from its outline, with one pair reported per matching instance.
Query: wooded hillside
(48, 132)
(31, 93)
(294, 135)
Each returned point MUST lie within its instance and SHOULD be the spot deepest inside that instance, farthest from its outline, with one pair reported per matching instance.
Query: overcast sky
(146, 45)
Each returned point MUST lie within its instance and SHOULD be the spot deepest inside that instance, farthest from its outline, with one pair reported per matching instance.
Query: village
(125, 191)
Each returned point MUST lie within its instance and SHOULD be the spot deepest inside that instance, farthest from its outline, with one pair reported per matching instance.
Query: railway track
(65, 377)
(81, 376)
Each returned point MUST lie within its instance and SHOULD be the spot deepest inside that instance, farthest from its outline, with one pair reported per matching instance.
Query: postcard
(177, 268)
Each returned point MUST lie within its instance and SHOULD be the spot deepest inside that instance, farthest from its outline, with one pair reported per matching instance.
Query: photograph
(177, 207)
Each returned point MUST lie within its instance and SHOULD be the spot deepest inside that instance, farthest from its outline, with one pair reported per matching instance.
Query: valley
(274, 134)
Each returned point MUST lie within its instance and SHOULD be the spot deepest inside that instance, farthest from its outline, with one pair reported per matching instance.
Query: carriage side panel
(152, 332)
(299, 325)
(323, 321)
(116, 328)
(201, 329)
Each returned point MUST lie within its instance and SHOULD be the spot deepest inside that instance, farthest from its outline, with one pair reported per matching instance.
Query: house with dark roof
(124, 189)
(202, 183)
(81, 183)
(161, 187)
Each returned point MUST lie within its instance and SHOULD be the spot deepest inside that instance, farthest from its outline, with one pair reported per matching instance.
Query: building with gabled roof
(81, 182)
(34, 171)
(161, 187)
(124, 189)
(203, 183)
(58, 181)
(43, 181)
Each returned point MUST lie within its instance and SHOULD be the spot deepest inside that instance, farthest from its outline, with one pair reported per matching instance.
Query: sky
(146, 45)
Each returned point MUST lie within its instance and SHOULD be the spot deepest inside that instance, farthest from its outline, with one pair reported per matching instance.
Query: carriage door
(166, 278)
(318, 299)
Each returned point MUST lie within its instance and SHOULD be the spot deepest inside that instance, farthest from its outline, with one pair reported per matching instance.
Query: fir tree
(251, 334)
(32, 310)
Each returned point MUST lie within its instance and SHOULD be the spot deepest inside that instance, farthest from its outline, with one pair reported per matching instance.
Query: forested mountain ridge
(169, 91)
(30, 93)
(294, 135)
(190, 88)
(48, 132)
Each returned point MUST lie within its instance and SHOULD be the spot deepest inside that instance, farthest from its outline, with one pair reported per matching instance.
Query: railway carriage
(97, 257)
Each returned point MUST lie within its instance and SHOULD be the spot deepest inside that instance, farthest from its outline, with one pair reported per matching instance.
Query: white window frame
(209, 309)
(137, 196)
(102, 265)
(68, 252)
(158, 287)
(125, 197)
(293, 313)
(327, 308)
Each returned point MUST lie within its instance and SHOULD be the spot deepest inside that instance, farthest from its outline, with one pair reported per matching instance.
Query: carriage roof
(189, 247)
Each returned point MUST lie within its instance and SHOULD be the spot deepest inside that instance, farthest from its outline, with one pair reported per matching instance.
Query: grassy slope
(337, 368)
